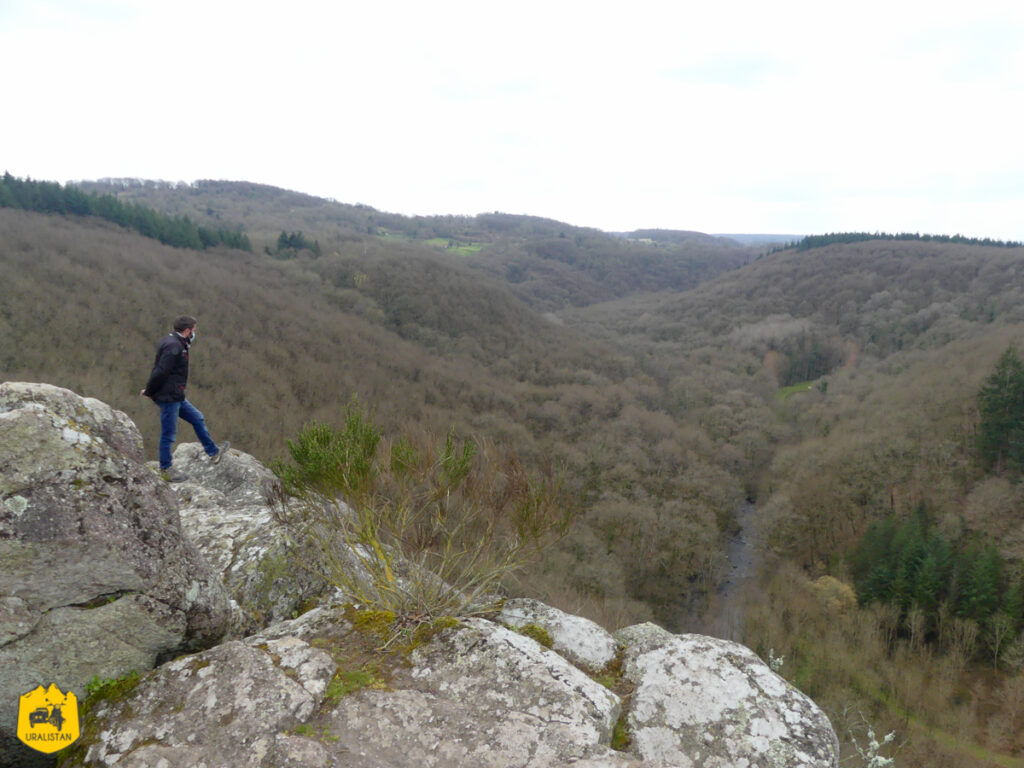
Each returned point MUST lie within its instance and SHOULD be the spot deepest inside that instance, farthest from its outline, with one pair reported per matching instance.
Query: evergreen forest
(851, 404)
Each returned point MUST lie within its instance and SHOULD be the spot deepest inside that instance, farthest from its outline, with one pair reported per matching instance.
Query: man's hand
(142, 392)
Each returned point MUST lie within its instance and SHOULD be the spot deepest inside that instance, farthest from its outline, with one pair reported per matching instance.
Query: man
(166, 387)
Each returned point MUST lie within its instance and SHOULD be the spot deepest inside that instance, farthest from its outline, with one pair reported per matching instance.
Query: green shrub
(417, 526)
(330, 462)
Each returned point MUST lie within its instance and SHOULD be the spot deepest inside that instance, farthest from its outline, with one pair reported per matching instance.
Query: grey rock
(238, 476)
(480, 695)
(96, 578)
(608, 760)
(226, 510)
(701, 702)
(476, 694)
(223, 708)
(292, 751)
(313, 625)
(584, 643)
(646, 636)
(16, 619)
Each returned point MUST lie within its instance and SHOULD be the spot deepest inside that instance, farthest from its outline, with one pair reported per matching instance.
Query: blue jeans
(169, 414)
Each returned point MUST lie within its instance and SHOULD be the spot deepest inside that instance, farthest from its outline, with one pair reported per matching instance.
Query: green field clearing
(463, 249)
(787, 392)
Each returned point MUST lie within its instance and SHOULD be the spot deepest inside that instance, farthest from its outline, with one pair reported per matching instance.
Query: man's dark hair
(183, 322)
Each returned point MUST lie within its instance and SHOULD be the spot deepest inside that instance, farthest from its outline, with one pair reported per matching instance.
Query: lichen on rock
(221, 707)
(226, 511)
(583, 642)
(709, 703)
(96, 577)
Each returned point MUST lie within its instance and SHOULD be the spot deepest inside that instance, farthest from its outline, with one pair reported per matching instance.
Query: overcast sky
(737, 117)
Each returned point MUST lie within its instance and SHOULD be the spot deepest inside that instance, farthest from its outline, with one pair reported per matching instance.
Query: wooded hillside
(410, 330)
(669, 376)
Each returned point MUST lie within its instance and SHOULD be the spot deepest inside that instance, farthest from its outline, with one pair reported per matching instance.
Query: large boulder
(96, 578)
(584, 643)
(484, 696)
(707, 703)
(229, 706)
(471, 694)
(227, 510)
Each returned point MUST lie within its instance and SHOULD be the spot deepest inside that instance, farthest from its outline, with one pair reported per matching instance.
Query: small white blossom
(869, 754)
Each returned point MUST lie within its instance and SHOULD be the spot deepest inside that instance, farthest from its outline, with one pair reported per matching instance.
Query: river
(723, 615)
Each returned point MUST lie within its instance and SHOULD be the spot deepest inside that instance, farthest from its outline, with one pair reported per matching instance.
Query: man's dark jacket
(170, 371)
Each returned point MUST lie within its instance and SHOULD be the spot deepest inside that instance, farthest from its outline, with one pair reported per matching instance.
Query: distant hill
(884, 295)
(547, 263)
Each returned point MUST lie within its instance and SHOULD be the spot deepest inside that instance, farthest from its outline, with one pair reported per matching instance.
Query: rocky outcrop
(709, 703)
(467, 693)
(491, 697)
(696, 701)
(96, 578)
(471, 694)
(226, 510)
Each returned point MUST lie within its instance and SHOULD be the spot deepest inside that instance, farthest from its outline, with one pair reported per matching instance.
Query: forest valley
(864, 392)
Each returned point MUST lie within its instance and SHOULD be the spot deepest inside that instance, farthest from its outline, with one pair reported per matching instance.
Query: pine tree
(1001, 407)
(980, 596)
(1013, 603)
(877, 586)
(930, 584)
(912, 552)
